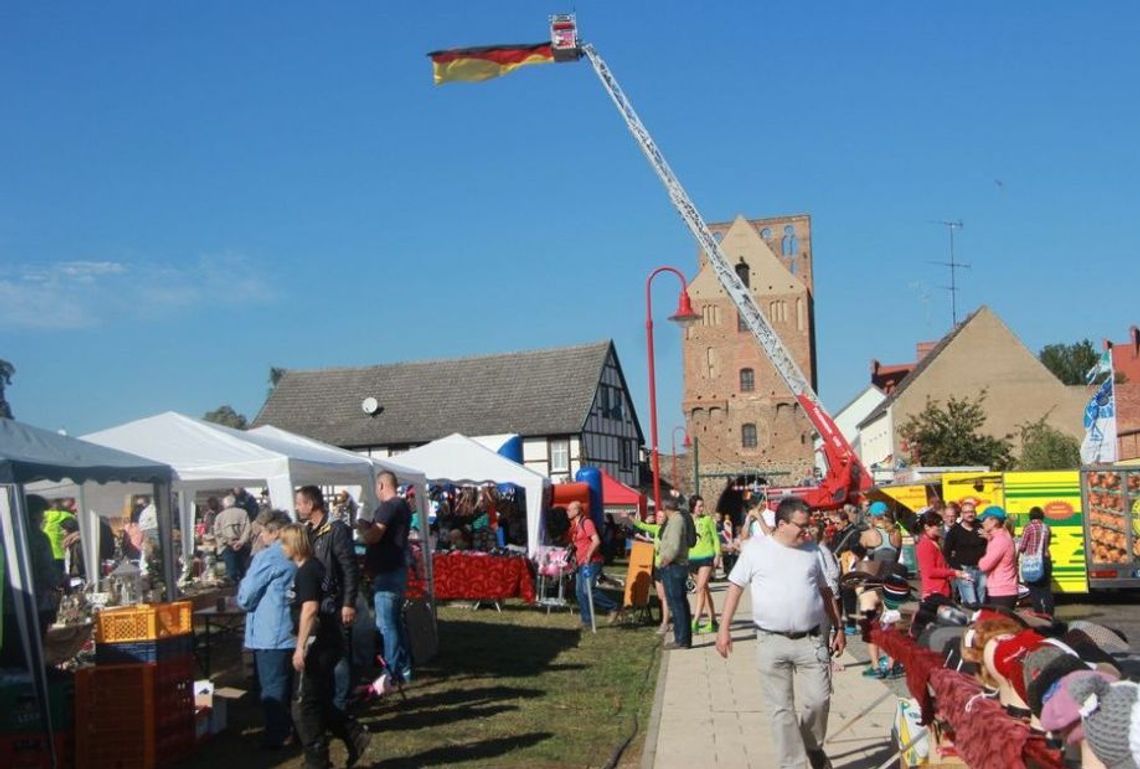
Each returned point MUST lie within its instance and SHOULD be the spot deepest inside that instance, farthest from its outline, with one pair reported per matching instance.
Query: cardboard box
(212, 701)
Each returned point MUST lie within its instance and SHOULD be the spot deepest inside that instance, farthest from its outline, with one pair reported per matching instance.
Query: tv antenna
(954, 266)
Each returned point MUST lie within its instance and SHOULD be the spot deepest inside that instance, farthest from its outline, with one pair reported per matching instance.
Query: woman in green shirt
(703, 558)
(654, 530)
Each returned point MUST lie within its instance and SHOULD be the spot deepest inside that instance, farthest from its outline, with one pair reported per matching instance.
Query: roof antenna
(954, 266)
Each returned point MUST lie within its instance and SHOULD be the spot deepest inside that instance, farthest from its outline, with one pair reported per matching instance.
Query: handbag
(1033, 564)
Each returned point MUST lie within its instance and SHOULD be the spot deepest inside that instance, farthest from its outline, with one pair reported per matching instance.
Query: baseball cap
(877, 509)
(993, 511)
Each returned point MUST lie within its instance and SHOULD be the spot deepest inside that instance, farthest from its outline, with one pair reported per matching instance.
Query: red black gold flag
(474, 64)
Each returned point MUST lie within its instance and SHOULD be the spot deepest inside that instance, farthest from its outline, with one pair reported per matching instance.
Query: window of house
(748, 435)
(789, 244)
(747, 380)
(560, 455)
(743, 272)
(627, 454)
(615, 403)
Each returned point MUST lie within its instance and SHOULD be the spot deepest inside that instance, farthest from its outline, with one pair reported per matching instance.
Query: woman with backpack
(1036, 565)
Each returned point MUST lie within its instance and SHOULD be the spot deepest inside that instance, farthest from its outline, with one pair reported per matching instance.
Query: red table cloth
(477, 577)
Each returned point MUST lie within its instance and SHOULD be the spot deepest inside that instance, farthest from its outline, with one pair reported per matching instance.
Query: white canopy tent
(458, 459)
(205, 456)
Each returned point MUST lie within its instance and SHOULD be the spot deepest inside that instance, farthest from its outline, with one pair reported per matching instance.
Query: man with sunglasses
(790, 600)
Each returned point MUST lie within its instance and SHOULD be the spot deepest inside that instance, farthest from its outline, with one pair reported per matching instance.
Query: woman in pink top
(1000, 561)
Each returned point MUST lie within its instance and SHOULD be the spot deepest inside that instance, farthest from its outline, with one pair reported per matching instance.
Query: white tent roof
(458, 459)
(270, 436)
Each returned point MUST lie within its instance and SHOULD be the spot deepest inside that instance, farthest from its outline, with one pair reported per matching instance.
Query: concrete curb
(649, 750)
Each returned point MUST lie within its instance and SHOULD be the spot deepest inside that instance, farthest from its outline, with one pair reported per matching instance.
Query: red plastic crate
(30, 750)
(115, 717)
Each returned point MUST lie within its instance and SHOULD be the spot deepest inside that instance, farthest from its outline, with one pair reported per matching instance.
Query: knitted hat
(1061, 711)
(1009, 656)
(1047, 665)
(1109, 717)
(1111, 641)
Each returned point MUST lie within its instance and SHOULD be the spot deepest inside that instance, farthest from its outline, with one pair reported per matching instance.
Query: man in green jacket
(54, 518)
(677, 536)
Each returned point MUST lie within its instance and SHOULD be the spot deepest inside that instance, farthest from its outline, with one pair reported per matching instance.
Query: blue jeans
(972, 593)
(673, 577)
(388, 589)
(275, 675)
(235, 561)
(587, 583)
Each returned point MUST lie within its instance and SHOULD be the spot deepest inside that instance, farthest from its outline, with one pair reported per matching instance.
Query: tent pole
(17, 555)
(162, 500)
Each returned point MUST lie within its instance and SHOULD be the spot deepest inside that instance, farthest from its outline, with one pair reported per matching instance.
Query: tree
(1044, 447)
(225, 415)
(7, 370)
(1070, 363)
(947, 437)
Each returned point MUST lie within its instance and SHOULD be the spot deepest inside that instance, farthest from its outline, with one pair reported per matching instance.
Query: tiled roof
(540, 392)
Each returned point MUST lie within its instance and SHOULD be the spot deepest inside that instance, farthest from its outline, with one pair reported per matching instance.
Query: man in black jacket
(333, 547)
(963, 547)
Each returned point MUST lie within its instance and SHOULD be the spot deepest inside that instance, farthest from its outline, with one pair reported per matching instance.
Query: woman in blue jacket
(263, 593)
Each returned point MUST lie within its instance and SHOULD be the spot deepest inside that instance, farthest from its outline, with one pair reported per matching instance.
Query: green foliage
(7, 370)
(1070, 362)
(225, 415)
(946, 437)
(1044, 447)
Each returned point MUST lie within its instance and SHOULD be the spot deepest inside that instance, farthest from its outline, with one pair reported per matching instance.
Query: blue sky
(193, 193)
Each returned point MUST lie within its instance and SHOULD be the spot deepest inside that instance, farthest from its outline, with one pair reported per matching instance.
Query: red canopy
(617, 494)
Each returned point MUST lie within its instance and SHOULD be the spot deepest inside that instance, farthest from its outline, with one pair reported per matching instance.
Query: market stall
(459, 460)
(619, 499)
(28, 455)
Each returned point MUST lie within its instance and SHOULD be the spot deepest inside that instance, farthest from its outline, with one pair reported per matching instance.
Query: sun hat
(993, 511)
(877, 509)
(1109, 716)
(1106, 638)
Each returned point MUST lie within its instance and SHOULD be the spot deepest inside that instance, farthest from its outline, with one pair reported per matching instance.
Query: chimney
(922, 349)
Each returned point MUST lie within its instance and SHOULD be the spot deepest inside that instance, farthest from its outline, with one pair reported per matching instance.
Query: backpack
(690, 530)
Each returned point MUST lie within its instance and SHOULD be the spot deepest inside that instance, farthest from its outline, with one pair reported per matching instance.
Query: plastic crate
(146, 622)
(114, 717)
(30, 750)
(174, 701)
(20, 708)
(140, 652)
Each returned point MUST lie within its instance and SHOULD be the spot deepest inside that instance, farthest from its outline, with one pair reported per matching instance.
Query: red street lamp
(684, 315)
(686, 443)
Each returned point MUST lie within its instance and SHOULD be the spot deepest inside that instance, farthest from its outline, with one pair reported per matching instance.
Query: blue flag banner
(1099, 446)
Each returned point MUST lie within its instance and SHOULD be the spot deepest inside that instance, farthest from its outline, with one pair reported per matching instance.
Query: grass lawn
(520, 688)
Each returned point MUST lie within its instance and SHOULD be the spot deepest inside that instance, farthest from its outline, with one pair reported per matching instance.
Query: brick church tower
(734, 401)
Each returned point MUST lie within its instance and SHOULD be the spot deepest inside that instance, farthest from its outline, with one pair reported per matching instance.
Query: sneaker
(850, 630)
(615, 616)
(663, 628)
(696, 625)
(872, 672)
(671, 645)
(897, 671)
(708, 627)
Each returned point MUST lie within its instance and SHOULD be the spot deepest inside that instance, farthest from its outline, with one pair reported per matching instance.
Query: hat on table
(1044, 668)
(1061, 710)
(1111, 719)
(1009, 657)
(1109, 640)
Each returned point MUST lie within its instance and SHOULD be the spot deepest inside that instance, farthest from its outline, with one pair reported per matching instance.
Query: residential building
(735, 403)
(980, 355)
(570, 405)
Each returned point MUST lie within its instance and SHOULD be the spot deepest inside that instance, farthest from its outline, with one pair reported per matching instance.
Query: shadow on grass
(459, 754)
(467, 697)
(495, 649)
(427, 719)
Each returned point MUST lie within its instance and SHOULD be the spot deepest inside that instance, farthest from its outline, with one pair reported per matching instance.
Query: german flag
(471, 65)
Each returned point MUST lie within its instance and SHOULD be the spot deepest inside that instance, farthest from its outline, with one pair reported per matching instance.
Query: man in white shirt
(790, 602)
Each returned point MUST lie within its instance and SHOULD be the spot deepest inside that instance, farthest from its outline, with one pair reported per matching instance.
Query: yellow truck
(1093, 513)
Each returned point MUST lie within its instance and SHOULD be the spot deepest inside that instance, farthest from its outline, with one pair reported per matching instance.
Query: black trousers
(314, 714)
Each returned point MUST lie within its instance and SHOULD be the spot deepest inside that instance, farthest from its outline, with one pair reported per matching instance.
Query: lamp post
(686, 443)
(684, 315)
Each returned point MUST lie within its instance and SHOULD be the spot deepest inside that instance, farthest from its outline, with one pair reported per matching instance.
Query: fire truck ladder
(845, 475)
